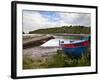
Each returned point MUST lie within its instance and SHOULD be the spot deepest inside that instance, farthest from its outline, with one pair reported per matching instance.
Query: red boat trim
(85, 43)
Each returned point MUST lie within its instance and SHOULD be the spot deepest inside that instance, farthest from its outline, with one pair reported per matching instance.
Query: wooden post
(59, 44)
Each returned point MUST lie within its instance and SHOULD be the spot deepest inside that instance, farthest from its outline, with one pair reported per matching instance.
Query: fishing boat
(76, 48)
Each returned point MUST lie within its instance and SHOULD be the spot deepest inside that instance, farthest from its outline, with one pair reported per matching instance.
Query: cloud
(33, 20)
(75, 18)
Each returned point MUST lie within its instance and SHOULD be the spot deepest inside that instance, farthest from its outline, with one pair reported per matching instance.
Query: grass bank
(56, 61)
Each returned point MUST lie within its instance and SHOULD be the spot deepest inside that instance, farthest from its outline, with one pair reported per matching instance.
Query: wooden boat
(76, 48)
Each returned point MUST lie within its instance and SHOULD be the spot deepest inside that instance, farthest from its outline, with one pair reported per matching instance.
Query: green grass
(56, 61)
(63, 29)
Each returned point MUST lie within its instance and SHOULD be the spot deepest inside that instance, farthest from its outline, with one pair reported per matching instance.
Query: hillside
(63, 29)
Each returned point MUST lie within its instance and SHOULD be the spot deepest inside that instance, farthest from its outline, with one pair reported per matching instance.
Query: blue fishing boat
(76, 48)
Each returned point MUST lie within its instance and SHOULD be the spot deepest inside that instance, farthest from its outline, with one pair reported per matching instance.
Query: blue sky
(51, 16)
(33, 20)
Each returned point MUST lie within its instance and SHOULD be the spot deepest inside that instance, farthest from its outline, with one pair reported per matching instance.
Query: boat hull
(76, 49)
(75, 52)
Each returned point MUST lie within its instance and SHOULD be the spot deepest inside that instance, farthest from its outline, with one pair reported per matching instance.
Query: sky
(33, 20)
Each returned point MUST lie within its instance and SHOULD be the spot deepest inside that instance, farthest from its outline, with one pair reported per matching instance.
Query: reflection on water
(68, 37)
(55, 42)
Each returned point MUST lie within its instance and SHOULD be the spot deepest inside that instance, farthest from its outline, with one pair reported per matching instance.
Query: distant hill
(63, 29)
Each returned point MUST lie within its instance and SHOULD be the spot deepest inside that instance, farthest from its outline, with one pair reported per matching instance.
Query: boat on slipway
(76, 48)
